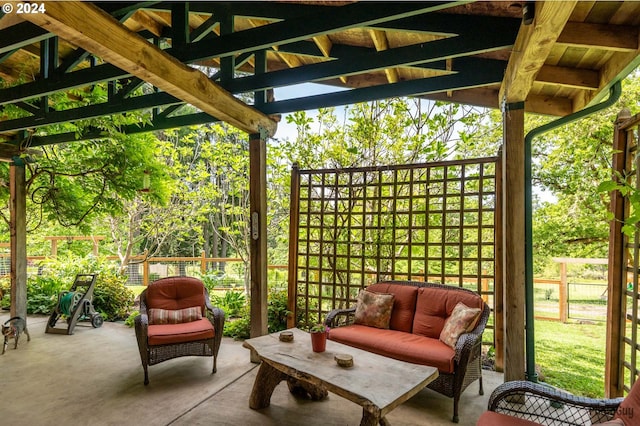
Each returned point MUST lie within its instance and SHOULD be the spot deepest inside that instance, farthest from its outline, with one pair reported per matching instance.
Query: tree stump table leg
(266, 381)
(306, 390)
(372, 418)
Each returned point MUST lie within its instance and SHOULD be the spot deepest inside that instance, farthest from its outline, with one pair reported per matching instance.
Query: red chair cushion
(164, 334)
(397, 344)
(630, 406)
(404, 304)
(175, 293)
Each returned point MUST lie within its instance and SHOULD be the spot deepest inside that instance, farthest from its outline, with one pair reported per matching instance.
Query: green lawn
(572, 356)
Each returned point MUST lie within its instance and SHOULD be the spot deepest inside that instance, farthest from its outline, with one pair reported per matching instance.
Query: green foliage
(130, 321)
(239, 328)
(231, 303)
(277, 310)
(42, 294)
(111, 297)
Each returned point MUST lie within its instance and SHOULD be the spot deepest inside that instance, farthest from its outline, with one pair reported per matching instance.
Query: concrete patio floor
(95, 377)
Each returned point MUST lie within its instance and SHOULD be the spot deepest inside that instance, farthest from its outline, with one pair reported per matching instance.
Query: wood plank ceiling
(559, 56)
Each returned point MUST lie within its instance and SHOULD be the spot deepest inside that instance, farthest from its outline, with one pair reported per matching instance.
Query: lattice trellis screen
(623, 322)
(353, 227)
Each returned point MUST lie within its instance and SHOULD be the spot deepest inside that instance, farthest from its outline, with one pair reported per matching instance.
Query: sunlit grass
(572, 356)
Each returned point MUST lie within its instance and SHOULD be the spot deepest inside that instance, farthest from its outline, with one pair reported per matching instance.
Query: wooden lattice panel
(631, 290)
(354, 227)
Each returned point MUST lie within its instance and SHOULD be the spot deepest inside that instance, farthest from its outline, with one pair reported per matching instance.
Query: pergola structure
(545, 57)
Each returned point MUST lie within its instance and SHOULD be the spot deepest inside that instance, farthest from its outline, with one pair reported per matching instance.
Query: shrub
(277, 310)
(42, 294)
(111, 297)
(130, 321)
(277, 313)
(239, 328)
(231, 303)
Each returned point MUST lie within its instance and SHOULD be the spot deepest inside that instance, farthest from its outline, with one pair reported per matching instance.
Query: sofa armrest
(546, 405)
(340, 317)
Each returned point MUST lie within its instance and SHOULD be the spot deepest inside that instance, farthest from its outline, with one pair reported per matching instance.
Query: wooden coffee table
(378, 384)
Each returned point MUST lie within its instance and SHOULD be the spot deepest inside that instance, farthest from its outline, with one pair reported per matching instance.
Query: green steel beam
(21, 35)
(232, 44)
(158, 124)
(490, 74)
(205, 29)
(180, 24)
(91, 111)
(373, 60)
(476, 75)
(120, 103)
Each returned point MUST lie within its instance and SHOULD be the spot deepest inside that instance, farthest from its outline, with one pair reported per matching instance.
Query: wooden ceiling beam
(91, 28)
(381, 43)
(622, 38)
(617, 67)
(325, 45)
(488, 98)
(569, 77)
(533, 44)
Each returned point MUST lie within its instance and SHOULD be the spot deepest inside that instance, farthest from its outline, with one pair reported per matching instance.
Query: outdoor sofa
(415, 331)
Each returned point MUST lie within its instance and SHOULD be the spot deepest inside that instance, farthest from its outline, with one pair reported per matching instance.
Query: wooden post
(613, 378)
(145, 272)
(294, 213)
(498, 280)
(513, 238)
(54, 247)
(563, 293)
(203, 263)
(18, 231)
(258, 209)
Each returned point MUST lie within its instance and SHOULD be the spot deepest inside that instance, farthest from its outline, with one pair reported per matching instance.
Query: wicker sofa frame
(468, 350)
(545, 405)
(155, 354)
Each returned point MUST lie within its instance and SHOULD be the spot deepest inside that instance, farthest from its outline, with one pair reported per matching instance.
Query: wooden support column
(617, 279)
(498, 285)
(18, 231)
(258, 208)
(513, 201)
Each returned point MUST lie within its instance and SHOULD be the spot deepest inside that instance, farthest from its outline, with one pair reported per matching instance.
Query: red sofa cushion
(175, 293)
(630, 406)
(404, 304)
(490, 418)
(163, 334)
(434, 305)
(396, 344)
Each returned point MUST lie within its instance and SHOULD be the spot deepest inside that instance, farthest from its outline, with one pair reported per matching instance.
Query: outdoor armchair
(522, 403)
(177, 319)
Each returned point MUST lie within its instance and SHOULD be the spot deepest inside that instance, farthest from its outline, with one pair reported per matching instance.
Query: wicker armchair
(468, 350)
(162, 341)
(521, 403)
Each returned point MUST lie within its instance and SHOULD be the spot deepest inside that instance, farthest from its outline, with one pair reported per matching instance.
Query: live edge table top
(377, 383)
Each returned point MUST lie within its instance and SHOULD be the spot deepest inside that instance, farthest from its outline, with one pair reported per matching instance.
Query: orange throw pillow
(461, 320)
(374, 309)
(178, 316)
